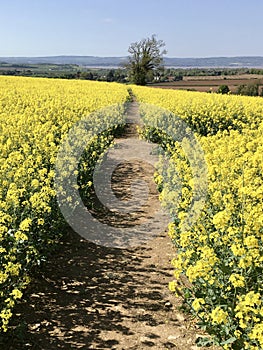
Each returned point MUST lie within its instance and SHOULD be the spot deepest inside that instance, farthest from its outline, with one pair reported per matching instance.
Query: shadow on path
(93, 297)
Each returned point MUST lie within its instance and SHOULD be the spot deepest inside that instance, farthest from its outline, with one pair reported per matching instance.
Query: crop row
(210, 179)
(35, 116)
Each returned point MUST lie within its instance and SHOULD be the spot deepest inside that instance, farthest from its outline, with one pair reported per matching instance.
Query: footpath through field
(94, 297)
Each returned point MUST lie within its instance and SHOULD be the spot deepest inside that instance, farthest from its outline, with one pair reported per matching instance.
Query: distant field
(208, 83)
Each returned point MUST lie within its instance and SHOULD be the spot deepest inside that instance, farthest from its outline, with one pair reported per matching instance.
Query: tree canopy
(145, 59)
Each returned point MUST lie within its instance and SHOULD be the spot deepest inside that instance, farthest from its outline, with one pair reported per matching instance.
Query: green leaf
(204, 341)
(229, 341)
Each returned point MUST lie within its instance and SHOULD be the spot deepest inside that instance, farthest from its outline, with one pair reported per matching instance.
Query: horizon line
(96, 56)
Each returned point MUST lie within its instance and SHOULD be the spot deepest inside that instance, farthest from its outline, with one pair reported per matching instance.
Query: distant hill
(93, 61)
(216, 62)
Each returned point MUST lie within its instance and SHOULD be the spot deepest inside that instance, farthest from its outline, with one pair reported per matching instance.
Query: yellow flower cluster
(219, 316)
(206, 113)
(222, 252)
(35, 115)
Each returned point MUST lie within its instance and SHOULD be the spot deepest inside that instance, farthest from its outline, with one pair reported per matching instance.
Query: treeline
(110, 75)
(120, 75)
(244, 90)
(250, 90)
(212, 71)
(175, 74)
(116, 74)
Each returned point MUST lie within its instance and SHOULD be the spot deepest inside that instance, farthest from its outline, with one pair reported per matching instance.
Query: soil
(211, 83)
(88, 296)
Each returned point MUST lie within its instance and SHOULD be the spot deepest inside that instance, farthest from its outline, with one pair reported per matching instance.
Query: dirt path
(95, 297)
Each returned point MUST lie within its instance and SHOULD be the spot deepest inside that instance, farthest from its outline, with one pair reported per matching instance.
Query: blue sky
(190, 28)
